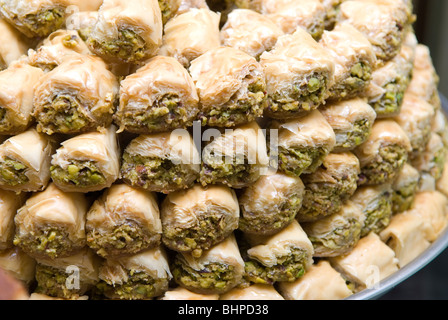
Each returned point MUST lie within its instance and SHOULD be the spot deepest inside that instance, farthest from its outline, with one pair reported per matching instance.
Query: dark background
(431, 28)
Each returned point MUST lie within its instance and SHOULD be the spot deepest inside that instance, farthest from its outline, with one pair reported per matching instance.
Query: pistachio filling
(156, 174)
(378, 216)
(139, 286)
(324, 199)
(304, 96)
(70, 41)
(438, 163)
(385, 167)
(9, 125)
(124, 239)
(420, 140)
(215, 278)
(46, 241)
(296, 161)
(53, 282)
(288, 268)
(349, 140)
(128, 47)
(271, 222)
(45, 22)
(63, 115)
(390, 103)
(78, 173)
(227, 171)
(164, 115)
(243, 107)
(13, 173)
(317, 29)
(84, 33)
(338, 242)
(165, 8)
(392, 44)
(331, 16)
(210, 229)
(403, 198)
(355, 83)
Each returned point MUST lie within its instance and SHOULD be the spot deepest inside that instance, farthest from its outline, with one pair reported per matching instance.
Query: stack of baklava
(233, 150)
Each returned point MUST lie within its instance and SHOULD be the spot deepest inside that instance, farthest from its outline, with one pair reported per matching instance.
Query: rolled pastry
(270, 204)
(352, 121)
(299, 73)
(291, 15)
(159, 97)
(405, 188)
(330, 186)
(384, 153)
(77, 96)
(59, 46)
(231, 87)
(321, 282)
(370, 262)
(217, 271)
(431, 208)
(411, 41)
(39, 18)
(285, 256)
(355, 61)
(425, 80)
(51, 224)
(186, 5)
(180, 293)
(197, 219)
(237, 158)
(13, 46)
(12, 289)
(143, 276)
(440, 126)
(127, 31)
(255, 292)
(416, 119)
(442, 183)
(18, 264)
(376, 205)
(25, 162)
(17, 85)
(191, 34)
(68, 278)
(382, 22)
(123, 221)
(88, 162)
(303, 143)
(431, 161)
(250, 31)
(407, 55)
(83, 22)
(389, 84)
(10, 202)
(405, 235)
(164, 162)
(337, 234)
